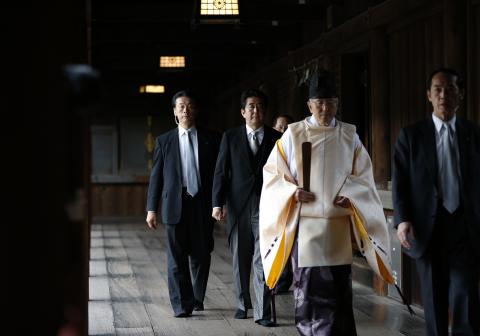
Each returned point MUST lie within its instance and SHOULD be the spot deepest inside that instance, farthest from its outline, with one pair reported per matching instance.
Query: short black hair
(286, 116)
(448, 71)
(184, 93)
(253, 93)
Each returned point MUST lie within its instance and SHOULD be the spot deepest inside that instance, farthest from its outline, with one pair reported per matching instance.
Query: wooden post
(455, 36)
(380, 115)
(472, 102)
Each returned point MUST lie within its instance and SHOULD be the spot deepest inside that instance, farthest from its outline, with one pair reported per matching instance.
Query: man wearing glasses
(313, 224)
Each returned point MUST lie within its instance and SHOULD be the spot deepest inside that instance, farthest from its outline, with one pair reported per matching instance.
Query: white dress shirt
(260, 134)
(438, 141)
(287, 144)
(183, 142)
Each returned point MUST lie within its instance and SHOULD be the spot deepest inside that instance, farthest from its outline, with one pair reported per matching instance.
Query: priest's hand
(304, 196)
(405, 229)
(342, 202)
(152, 219)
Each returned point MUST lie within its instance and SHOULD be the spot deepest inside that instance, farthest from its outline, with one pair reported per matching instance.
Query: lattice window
(219, 7)
(172, 61)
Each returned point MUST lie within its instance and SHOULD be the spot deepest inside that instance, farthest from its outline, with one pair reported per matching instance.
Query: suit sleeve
(218, 139)
(221, 175)
(401, 180)
(156, 178)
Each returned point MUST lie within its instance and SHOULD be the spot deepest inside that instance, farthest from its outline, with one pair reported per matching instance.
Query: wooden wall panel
(380, 107)
(398, 66)
(414, 52)
(473, 75)
(416, 71)
(118, 199)
(455, 35)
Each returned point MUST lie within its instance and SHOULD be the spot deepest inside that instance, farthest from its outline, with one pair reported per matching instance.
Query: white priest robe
(338, 168)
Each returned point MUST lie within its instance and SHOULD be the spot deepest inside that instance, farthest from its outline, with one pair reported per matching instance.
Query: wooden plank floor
(129, 294)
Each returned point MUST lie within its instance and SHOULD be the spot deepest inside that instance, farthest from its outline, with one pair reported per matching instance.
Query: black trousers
(449, 278)
(285, 281)
(189, 244)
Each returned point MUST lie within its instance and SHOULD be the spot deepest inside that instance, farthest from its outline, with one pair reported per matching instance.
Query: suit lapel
(174, 151)
(202, 150)
(463, 144)
(430, 149)
(244, 147)
(265, 143)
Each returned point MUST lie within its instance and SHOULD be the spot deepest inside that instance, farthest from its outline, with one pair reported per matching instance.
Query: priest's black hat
(322, 85)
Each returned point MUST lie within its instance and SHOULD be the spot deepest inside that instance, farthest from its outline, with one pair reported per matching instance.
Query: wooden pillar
(455, 36)
(379, 95)
(473, 54)
(61, 263)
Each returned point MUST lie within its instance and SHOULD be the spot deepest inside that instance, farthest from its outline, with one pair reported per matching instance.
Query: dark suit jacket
(415, 171)
(236, 177)
(165, 186)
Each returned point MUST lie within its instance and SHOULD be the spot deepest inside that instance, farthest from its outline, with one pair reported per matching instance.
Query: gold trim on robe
(280, 215)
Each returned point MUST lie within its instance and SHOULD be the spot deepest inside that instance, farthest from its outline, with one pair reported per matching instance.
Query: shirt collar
(182, 131)
(439, 122)
(250, 130)
(311, 120)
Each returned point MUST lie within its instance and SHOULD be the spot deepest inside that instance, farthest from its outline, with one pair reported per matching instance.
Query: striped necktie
(254, 144)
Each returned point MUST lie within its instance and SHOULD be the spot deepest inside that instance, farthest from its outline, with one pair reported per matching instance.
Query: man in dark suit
(181, 181)
(436, 193)
(237, 184)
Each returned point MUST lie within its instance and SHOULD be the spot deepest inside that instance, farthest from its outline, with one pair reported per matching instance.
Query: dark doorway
(354, 94)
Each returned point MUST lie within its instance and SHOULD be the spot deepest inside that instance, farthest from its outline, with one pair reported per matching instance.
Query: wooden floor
(129, 294)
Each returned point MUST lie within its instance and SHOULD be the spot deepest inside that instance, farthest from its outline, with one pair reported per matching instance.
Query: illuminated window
(152, 89)
(219, 7)
(172, 61)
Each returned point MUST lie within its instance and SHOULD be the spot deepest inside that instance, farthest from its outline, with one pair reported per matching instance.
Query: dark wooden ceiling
(129, 36)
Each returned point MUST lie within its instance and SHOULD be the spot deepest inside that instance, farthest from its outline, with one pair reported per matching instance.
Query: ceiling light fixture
(152, 89)
(172, 61)
(219, 7)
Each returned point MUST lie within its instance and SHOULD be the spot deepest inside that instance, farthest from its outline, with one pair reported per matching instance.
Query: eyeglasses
(324, 102)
